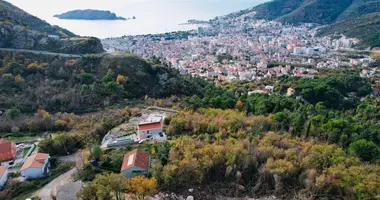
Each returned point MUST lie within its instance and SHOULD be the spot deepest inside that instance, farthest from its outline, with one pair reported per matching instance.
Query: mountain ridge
(20, 30)
(311, 11)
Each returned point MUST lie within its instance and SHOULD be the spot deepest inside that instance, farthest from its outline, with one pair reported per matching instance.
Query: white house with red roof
(36, 166)
(136, 162)
(148, 130)
(3, 176)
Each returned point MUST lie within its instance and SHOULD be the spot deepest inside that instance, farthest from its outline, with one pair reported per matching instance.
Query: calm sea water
(153, 16)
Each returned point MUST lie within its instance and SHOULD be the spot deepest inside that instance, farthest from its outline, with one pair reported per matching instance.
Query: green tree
(365, 150)
(96, 153)
(12, 113)
(104, 186)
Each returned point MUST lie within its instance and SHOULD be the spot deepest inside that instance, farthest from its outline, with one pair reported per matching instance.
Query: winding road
(52, 53)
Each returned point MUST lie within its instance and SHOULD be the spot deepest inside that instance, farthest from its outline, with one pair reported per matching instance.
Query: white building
(269, 88)
(150, 131)
(36, 166)
(3, 176)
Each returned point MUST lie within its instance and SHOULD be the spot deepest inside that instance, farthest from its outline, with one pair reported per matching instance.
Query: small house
(136, 162)
(7, 150)
(148, 130)
(36, 166)
(3, 176)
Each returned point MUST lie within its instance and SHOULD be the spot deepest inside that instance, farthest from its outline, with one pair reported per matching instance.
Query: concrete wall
(134, 171)
(4, 179)
(32, 173)
(144, 134)
(35, 173)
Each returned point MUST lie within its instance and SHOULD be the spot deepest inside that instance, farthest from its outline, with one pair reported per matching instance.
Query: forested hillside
(20, 30)
(12, 14)
(84, 84)
(312, 11)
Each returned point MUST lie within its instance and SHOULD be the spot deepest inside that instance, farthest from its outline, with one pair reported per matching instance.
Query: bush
(365, 150)
(12, 113)
(15, 129)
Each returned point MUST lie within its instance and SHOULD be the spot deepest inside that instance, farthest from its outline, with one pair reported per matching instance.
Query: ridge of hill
(311, 11)
(20, 30)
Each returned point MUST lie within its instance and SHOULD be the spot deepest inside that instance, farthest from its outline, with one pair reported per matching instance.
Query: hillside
(29, 81)
(89, 15)
(312, 11)
(20, 30)
(365, 28)
(12, 14)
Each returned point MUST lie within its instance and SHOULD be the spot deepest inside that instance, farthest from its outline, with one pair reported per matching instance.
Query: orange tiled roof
(144, 127)
(35, 161)
(140, 159)
(2, 170)
(5, 146)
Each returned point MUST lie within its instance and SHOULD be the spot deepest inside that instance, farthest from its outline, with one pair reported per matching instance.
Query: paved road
(52, 53)
(50, 189)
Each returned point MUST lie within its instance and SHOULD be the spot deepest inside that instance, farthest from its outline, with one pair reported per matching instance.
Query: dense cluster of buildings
(242, 49)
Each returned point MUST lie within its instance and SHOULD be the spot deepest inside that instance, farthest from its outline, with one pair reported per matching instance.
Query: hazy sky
(153, 16)
(46, 8)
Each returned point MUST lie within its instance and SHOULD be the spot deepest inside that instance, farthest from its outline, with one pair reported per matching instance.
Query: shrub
(365, 150)
(15, 129)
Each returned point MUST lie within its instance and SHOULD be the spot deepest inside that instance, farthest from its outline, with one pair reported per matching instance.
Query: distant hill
(89, 15)
(20, 30)
(366, 28)
(312, 11)
(14, 15)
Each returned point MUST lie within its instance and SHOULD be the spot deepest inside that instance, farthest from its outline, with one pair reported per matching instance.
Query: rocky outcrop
(89, 14)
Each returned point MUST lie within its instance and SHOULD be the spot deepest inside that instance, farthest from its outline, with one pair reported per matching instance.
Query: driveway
(50, 189)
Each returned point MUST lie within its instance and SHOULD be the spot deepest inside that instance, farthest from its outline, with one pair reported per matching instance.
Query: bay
(152, 16)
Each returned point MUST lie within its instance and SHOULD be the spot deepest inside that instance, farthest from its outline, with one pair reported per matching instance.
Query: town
(229, 49)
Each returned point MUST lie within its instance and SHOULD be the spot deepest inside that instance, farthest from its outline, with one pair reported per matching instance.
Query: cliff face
(19, 37)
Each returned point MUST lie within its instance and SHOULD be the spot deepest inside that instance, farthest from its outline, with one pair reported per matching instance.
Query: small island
(89, 15)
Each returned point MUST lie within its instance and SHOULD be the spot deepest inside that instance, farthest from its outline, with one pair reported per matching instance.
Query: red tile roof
(35, 161)
(2, 170)
(6, 147)
(149, 126)
(139, 159)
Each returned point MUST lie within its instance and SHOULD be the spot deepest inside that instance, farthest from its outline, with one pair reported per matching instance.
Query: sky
(47, 8)
(153, 16)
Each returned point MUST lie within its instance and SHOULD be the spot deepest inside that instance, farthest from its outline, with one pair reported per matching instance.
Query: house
(269, 88)
(36, 166)
(290, 92)
(7, 150)
(3, 176)
(149, 130)
(136, 162)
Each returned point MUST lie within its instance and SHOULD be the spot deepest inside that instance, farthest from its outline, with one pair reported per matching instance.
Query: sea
(152, 16)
